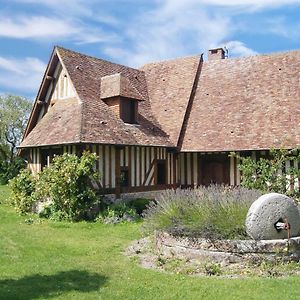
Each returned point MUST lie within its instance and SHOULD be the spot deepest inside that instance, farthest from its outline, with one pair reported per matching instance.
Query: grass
(85, 261)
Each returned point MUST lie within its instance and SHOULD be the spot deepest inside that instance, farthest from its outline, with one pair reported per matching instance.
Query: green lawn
(85, 261)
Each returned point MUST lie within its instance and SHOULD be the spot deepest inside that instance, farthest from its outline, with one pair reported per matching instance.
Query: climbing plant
(271, 174)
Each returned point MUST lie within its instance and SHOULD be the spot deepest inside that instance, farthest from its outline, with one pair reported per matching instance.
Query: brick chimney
(215, 54)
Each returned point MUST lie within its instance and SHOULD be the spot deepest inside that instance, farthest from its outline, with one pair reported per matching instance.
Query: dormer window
(122, 96)
(128, 110)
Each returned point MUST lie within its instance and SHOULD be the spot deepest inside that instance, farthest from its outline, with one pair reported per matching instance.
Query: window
(161, 172)
(124, 178)
(128, 110)
(44, 158)
(47, 156)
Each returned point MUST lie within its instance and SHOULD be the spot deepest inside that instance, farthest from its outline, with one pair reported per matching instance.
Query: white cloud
(23, 75)
(76, 9)
(34, 27)
(281, 27)
(172, 29)
(238, 48)
(45, 28)
(251, 3)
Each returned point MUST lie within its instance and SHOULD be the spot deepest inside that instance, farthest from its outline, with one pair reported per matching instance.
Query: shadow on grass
(47, 286)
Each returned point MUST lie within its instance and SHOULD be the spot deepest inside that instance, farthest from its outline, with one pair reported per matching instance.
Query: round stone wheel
(266, 211)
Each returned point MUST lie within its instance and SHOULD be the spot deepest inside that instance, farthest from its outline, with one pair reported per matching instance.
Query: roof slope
(169, 86)
(247, 103)
(59, 126)
(98, 124)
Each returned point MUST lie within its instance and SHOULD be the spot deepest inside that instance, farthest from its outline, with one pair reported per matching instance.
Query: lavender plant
(209, 212)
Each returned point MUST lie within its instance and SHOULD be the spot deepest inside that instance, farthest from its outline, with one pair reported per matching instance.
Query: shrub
(139, 204)
(209, 212)
(117, 213)
(23, 187)
(270, 174)
(9, 170)
(67, 183)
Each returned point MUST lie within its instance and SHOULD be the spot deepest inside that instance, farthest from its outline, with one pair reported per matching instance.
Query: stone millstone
(266, 211)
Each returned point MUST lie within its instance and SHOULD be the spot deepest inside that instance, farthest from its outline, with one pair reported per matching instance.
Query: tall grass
(210, 212)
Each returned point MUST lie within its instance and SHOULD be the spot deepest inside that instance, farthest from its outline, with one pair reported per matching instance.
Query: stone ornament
(273, 216)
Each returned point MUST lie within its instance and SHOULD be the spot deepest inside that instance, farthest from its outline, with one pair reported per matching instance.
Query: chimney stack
(215, 54)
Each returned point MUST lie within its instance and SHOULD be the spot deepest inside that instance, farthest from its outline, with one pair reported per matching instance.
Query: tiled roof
(98, 123)
(246, 103)
(169, 87)
(59, 126)
(220, 105)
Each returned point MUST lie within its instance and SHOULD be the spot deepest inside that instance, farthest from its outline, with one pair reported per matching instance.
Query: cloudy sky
(134, 32)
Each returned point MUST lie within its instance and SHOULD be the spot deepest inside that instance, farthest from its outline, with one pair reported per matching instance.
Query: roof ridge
(259, 55)
(170, 60)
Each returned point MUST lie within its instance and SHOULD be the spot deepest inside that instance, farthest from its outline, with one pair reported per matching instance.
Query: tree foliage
(270, 174)
(14, 114)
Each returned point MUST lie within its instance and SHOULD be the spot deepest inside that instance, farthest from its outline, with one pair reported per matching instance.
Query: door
(215, 169)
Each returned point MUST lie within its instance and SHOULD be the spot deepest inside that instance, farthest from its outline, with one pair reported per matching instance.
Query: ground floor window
(124, 178)
(47, 156)
(161, 172)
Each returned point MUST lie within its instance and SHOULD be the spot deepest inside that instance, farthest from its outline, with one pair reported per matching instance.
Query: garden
(44, 258)
(61, 239)
(91, 249)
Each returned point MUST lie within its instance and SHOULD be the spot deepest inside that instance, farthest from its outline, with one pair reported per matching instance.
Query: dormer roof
(118, 85)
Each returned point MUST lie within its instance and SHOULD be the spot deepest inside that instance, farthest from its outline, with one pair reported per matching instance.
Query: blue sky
(136, 32)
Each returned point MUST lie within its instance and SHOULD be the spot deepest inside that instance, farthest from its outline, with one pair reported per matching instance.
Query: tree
(14, 114)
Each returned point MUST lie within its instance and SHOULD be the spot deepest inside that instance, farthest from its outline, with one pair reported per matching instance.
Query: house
(167, 124)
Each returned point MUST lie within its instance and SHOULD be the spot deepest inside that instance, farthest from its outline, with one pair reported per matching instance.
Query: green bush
(212, 212)
(139, 204)
(9, 170)
(269, 174)
(117, 213)
(67, 184)
(23, 188)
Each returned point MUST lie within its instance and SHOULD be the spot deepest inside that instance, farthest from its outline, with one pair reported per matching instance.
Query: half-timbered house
(167, 124)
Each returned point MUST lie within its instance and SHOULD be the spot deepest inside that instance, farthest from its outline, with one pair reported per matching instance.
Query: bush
(23, 188)
(269, 174)
(67, 184)
(117, 213)
(212, 212)
(139, 204)
(9, 170)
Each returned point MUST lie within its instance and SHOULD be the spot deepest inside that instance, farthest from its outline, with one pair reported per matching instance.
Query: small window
(124, 178)
(44, 158)
(47, 156)
(161, 172)
(128, 110)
